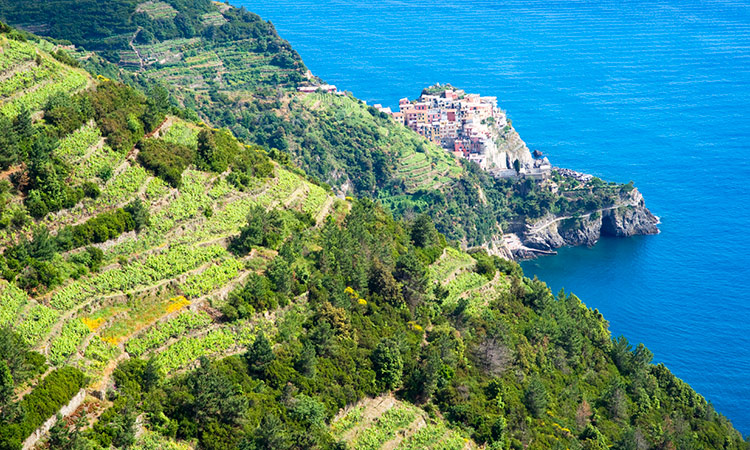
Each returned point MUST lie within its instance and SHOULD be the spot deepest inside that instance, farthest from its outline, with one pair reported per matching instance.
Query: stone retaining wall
(72, 405)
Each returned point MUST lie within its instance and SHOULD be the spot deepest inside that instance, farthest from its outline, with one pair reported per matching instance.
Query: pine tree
(388, 363)
(6, 385)
(259, 355)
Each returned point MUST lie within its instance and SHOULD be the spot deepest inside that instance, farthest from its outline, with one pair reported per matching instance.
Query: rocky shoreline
(629, 217)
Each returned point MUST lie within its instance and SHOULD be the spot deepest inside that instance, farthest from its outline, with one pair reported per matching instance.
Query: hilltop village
(472, 127)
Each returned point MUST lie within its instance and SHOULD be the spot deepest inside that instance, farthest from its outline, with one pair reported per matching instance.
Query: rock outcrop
(629, 221)
(629, 217)
(506, 147)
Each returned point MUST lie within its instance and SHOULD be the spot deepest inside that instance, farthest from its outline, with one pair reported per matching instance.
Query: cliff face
(629, 217)
(629, 221)
(507, 146)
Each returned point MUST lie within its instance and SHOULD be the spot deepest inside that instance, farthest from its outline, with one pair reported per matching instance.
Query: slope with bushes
(208, 294)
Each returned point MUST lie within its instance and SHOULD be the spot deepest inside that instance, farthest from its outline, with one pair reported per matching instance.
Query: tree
(280, 274)
(6, 385)
(615, 400)
(157, 106)
(206, 149)
(42, 245)
(388, 363)
(259, 355)
(139, 212)
(308, 410)
(263, 228)
(583, 414)
(305, 363)
(641, 359)
(621, 354)
(593, 439)
(384, 284)
(216, 396)
(412, 275)
(517, 166)
(632, 439)
(535, 397)
(64, 438)
(255, 295)
(8, 141)
(13, 352)
(271, 434)
(22, 126)
(423, 232)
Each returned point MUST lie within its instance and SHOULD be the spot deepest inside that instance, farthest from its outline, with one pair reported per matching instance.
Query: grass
(141, 315)
(385, 427)
(157, 10)
(451, 262)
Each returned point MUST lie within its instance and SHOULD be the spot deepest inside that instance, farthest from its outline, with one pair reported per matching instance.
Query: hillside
(167, 286)
(236, 72)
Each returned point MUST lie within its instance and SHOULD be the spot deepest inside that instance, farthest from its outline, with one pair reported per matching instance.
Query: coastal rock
(518, 251)
(498, 247)
(629, 217)
(545, 238)
(630, 220)
(510, 147)
(584, 231)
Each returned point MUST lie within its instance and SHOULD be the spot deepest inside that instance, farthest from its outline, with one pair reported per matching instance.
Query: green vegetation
(54, 391)
(250, 307)
(165, 159)
(173, 328)
(393, 419)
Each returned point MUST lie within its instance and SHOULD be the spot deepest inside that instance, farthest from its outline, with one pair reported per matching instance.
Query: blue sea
(657, 92)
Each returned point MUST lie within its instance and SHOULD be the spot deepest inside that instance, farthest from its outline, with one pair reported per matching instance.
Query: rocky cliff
(628, 217)
(507, 146)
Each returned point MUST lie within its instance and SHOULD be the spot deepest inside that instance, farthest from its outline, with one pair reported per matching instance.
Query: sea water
(657, 92)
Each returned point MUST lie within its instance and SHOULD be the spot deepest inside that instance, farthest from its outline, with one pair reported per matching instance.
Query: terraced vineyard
(156, 284)
(30, 77)
(174, 255)
(157, 10)
(428, 168)
(387, 423)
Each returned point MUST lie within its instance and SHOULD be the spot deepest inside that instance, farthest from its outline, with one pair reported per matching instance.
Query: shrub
(105, 226)
(55, 390)
(263, 228)
(165, 159)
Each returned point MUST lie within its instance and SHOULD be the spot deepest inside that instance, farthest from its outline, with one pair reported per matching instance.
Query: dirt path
(539, 226)
(137, 53)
